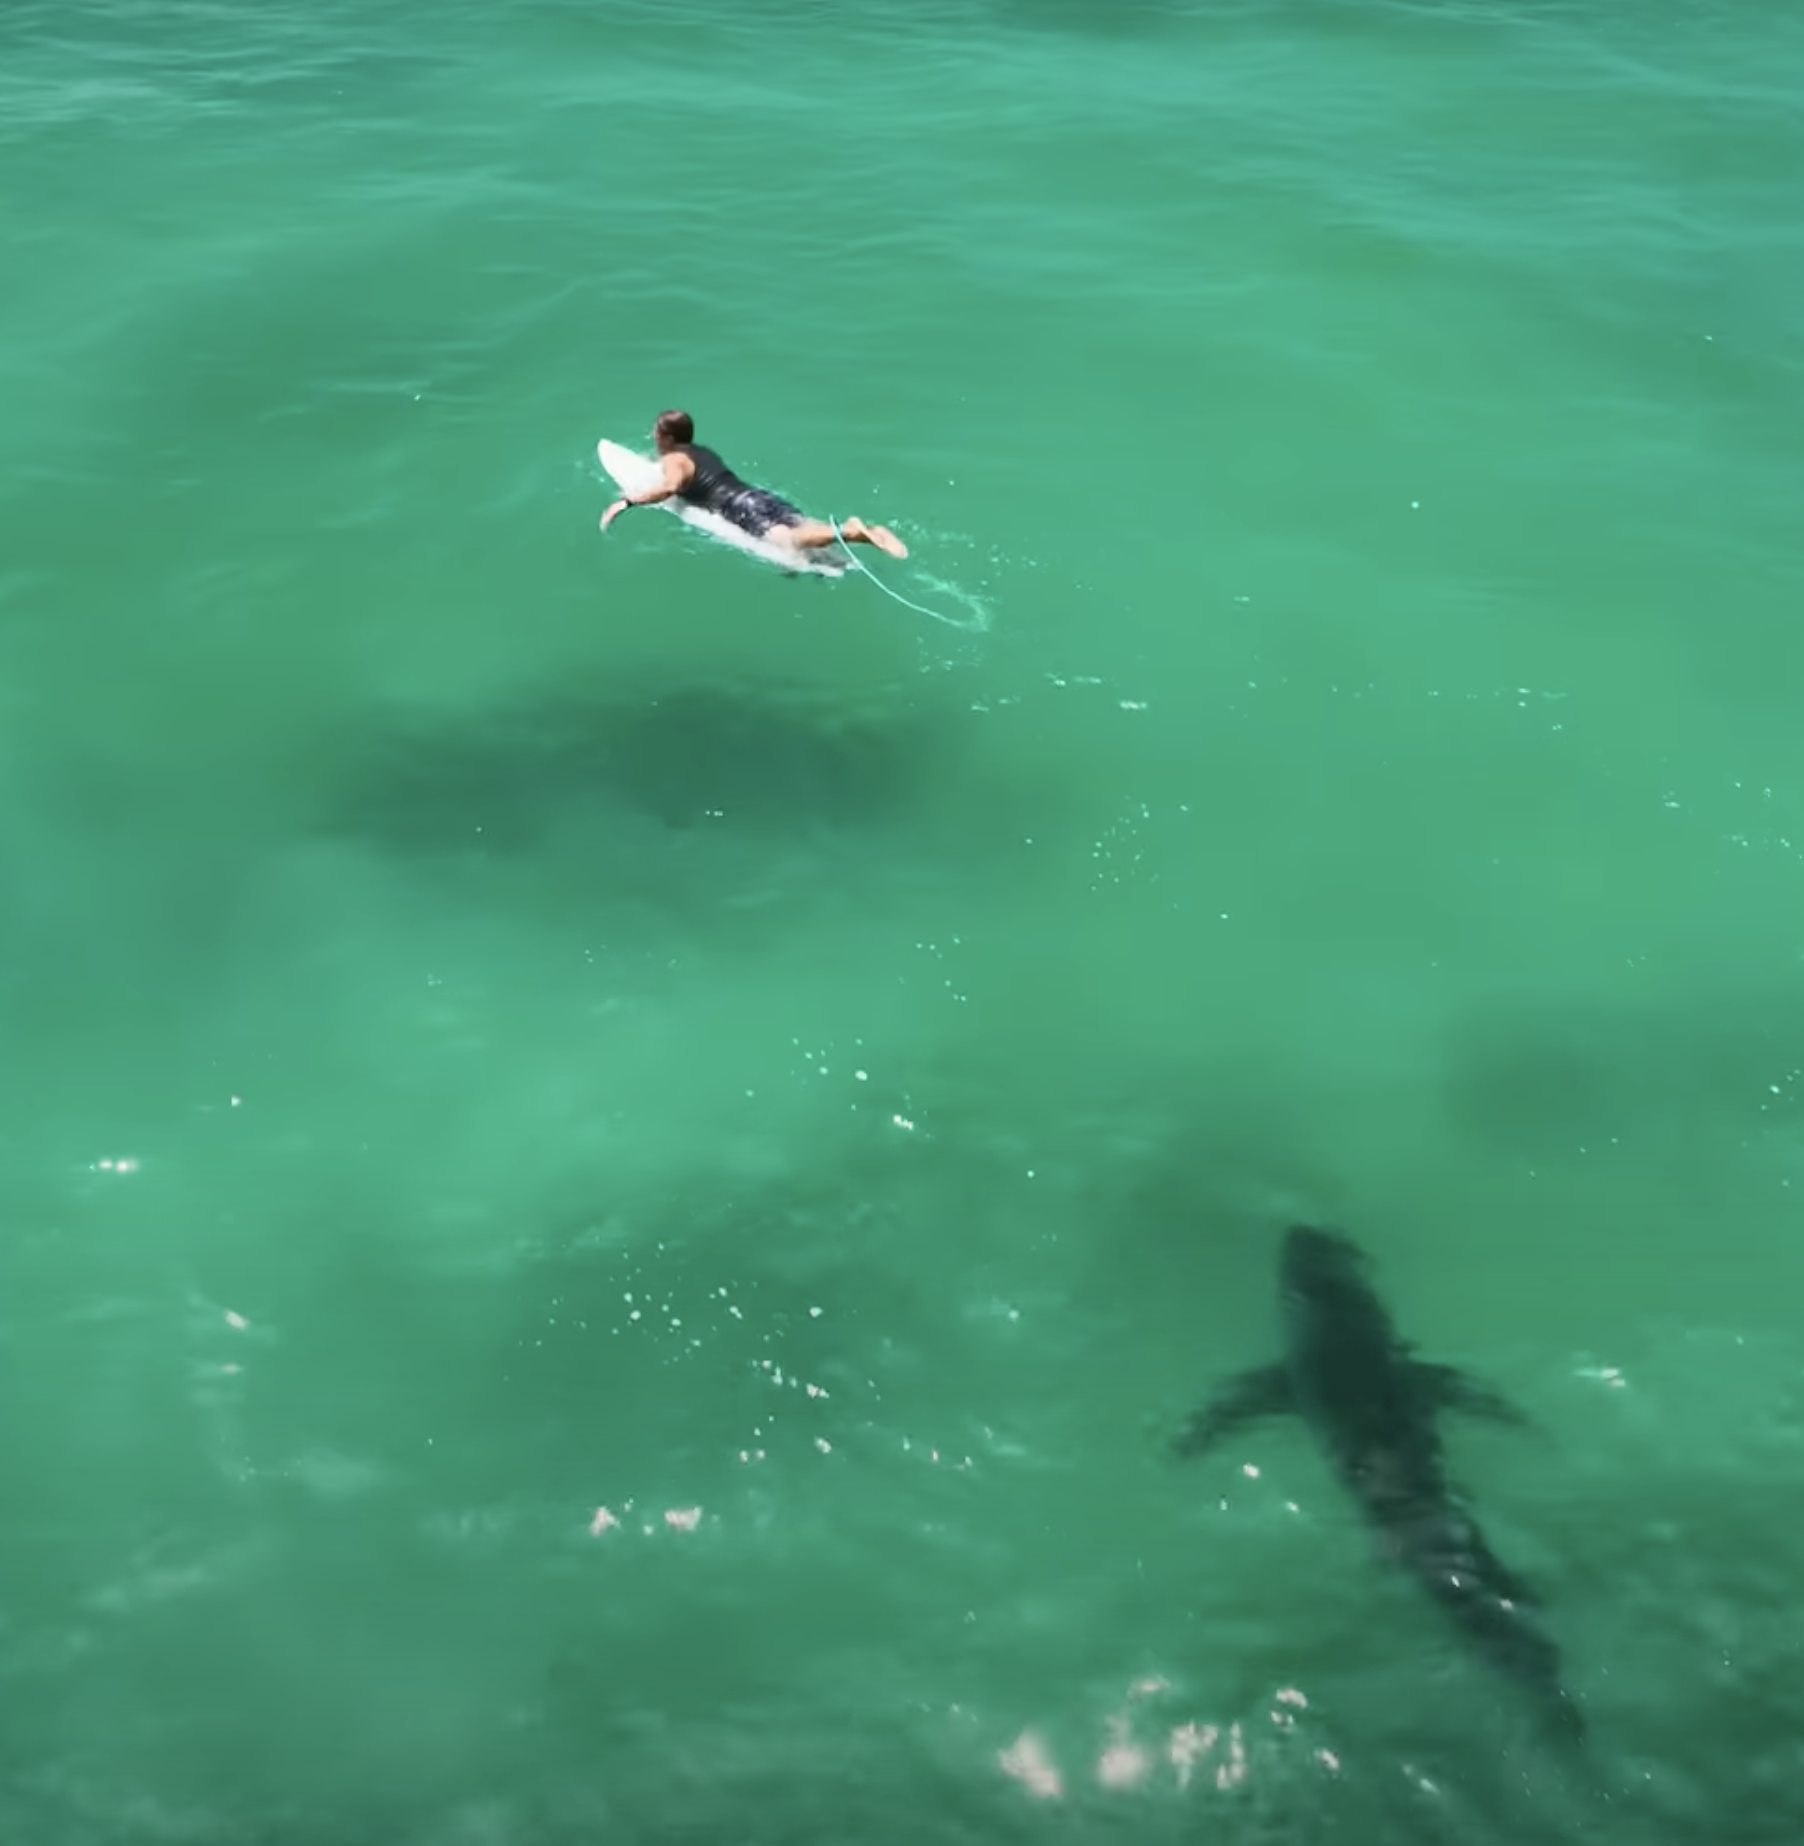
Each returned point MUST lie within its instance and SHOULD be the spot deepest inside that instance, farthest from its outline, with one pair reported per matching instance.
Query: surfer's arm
(677, 470)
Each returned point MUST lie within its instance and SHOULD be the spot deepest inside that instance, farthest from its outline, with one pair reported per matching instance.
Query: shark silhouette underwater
(1374, 1409)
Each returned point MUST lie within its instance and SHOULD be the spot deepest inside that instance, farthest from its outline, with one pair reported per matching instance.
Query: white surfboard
(636, 474)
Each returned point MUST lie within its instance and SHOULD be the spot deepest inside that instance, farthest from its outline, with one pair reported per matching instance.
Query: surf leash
(894, 595)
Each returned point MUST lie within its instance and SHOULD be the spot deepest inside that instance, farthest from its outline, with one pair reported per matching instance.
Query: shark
(1375, 1411)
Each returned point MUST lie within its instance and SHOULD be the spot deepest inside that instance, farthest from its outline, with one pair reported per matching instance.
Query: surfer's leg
(858, 533)
(811, 534)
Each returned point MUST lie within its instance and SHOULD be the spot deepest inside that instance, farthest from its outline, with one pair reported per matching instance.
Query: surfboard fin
(1238, 1402)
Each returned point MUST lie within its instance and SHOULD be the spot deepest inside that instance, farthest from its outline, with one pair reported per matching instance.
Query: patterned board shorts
(755, 511)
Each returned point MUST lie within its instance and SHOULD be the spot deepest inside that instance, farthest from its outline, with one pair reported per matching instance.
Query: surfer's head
(672, 429)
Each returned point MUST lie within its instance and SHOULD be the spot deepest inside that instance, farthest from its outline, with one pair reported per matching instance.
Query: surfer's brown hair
(674, 427)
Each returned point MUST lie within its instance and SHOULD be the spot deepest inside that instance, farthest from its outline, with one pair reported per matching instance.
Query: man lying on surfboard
(698, 476)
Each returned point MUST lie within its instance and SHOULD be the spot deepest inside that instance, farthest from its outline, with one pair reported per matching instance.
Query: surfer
(699, 476)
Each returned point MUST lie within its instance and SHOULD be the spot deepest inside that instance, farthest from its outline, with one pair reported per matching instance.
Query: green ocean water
(613, 1164)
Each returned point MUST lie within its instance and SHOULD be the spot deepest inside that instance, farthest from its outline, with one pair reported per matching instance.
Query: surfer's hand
(613, 513)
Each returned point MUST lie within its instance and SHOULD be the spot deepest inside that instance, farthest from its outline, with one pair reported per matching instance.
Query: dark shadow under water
(770, 758)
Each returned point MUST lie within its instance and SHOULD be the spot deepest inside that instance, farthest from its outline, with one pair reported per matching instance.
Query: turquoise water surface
(614, 1165)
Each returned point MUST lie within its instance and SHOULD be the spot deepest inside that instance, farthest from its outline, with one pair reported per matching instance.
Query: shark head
(1324, 1282)
(1316, 1261)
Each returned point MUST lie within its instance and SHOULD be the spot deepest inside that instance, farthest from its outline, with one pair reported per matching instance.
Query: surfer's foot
(881, 536)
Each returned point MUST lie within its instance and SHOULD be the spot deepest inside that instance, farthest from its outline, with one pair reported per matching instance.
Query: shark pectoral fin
(1453, 1389)
(1244, 1399)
